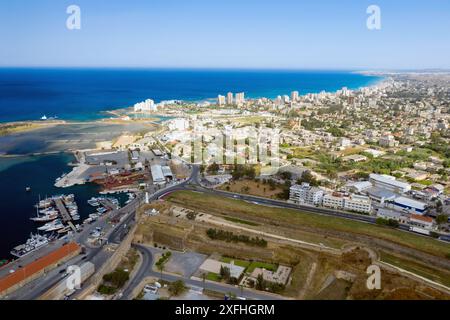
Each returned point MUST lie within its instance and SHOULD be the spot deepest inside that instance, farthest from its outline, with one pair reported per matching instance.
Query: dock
(64, 213)
(108, 204)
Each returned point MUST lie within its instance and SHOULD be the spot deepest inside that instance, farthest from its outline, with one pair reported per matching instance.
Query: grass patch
(437, 275)
(213, 277)
(237, 220)
(240, 263)
(296, 217)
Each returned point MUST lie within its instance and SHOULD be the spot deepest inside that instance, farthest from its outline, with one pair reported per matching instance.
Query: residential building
(229, 98)
(421, 221)
(220, 100)
(358, 203)
(145, 106)
(334, 200)
(352, 202)
(304, 193)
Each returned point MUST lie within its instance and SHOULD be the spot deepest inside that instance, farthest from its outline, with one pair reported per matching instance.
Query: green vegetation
(387, 222)
(427, 271)
(237, 220)
(113, 281)
(162, 261)
(229, 236)
(243, 171)
(177, 287)
(237, 262)
(309, 220)
(307, 177)
(211, 276)
(264, 285)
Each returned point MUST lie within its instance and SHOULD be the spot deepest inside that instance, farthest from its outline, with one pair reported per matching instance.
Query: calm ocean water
(81, 94)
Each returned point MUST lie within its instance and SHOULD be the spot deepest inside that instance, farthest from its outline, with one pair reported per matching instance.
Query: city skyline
(231, 35)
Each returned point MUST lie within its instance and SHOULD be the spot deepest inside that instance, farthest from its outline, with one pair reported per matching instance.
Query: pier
(64, 213)
(108, 204)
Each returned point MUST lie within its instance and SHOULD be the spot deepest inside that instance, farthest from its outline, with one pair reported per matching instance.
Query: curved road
(146, 270)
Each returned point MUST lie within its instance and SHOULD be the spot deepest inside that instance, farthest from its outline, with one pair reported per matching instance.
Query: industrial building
(409, 205)
(389, 182)
(157, 174)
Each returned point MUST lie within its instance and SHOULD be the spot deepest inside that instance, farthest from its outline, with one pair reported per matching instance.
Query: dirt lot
(315, 275)
(251, 187)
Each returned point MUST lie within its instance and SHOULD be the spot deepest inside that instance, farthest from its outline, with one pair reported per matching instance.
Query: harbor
(21, 219)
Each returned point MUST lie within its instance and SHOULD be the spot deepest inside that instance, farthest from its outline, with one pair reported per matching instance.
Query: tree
(177, 287)
(224, 272)
(260, 282)
(213, 168)
(439, 206)
(442, 218)
(308, 178)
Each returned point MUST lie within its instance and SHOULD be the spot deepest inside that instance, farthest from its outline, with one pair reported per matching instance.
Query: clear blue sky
(319, 34)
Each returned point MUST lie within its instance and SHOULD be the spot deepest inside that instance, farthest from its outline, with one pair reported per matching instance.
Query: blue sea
(82, 94)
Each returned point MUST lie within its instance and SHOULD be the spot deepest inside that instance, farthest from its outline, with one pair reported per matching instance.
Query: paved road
(146, 270)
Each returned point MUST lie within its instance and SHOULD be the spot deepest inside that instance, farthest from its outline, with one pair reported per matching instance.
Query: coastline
(94, 97)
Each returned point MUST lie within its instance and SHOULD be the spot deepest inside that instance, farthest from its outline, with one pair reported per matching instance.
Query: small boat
(27, 189)
(64, 230)
(93, 202)
(45, 218)
(52, 226)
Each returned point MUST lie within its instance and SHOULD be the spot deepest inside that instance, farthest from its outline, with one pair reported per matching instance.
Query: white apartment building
(230, 98)
(220, 100)
(358, 203)
(333, 200)
(240, 98)
(294, 96)
(145, 106)
(352, 203)
(304, 193)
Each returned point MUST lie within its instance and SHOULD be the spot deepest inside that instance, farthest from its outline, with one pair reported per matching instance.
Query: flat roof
(34, 267)
(389, 180)
(381, 193)
(157, 173)
(410, 203)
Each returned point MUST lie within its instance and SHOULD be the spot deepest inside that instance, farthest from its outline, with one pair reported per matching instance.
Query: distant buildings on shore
(145, 106)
